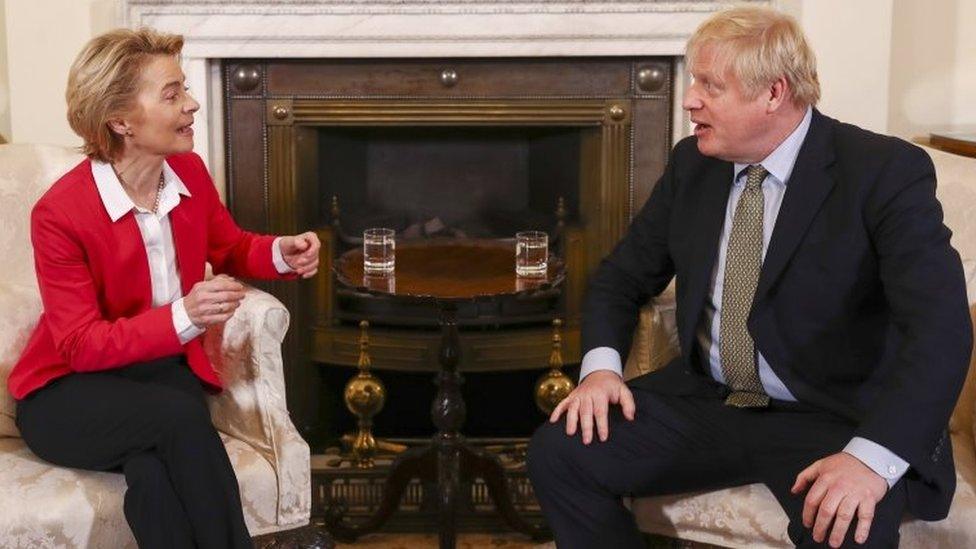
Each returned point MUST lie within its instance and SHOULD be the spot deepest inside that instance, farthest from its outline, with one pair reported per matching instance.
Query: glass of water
(531, 254)
(379, 251)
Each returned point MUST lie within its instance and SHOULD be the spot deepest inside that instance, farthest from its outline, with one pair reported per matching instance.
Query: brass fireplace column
(554, 385)
(559, 236)
(365, 395)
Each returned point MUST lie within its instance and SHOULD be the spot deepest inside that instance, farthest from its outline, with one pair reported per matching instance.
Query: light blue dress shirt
(779, 164)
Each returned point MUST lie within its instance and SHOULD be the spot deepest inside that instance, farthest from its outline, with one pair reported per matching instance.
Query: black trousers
(680, 444)
(150, 422)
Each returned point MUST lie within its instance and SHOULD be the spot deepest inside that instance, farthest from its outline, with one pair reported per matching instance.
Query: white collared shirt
(157, 236)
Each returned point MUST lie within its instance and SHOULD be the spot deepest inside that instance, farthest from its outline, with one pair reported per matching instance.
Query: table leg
(448, 456)
(447, 412)
(480, 463)
(413, 463)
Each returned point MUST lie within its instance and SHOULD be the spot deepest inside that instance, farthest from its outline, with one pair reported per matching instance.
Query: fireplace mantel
(423, 28)
(218, 29)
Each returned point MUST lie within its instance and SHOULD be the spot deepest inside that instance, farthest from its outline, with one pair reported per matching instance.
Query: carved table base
(447, 461)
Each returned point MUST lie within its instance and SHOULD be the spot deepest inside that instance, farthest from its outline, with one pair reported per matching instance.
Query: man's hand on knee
(842, 488)
(590, 403)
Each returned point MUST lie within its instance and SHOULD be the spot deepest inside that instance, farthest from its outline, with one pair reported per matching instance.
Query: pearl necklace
(159, 187)
(159, 192)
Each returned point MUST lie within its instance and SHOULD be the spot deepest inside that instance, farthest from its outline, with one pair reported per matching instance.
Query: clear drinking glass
(380, 283)
(379, 251)
(531, 254)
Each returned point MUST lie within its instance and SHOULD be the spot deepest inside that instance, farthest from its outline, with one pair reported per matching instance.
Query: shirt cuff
(601, 358)
(878, 458)
(185, 328)
(278, 259)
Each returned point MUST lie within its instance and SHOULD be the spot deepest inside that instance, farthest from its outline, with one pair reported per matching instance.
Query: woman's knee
(181, 413)
(144, 469)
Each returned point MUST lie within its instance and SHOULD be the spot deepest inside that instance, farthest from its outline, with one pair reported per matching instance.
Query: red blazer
(94, 277)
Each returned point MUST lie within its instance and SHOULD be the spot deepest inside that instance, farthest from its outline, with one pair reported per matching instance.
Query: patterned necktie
(742, 262)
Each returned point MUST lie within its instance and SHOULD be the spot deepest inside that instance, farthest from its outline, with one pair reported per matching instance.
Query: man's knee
(549, 453)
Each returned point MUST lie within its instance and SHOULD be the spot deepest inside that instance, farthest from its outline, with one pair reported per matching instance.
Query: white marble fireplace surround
(218, 29)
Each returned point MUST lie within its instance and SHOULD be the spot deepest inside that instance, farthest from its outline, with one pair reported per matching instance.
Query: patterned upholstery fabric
(47, 506)
(748, 516)
(74, 508)
(246, 351)
(26, 171)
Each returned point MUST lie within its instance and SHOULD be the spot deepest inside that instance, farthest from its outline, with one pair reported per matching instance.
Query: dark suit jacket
(861, 303)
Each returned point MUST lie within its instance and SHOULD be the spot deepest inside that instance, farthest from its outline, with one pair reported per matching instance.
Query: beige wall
(905, 67)
(42, 39)
(933, 61)
(852, 41)
(4, 85)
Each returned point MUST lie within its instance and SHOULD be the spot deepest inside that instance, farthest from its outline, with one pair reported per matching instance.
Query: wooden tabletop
(955, 142)
(448, 269)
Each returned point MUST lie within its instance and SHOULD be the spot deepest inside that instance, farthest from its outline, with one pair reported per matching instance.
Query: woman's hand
(301, 253)
(213, 301)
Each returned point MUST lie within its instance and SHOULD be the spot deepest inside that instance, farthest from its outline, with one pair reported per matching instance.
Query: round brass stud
(449, 78)
(246, 77)
(651, 78)
(617, 112)
(280, 112)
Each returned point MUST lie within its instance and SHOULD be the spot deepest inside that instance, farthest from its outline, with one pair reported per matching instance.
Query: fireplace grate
(359, 492)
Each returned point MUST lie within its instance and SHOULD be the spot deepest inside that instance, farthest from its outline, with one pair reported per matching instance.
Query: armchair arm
(246, 352)
(962, 418)
(656, 336)
(21, 306)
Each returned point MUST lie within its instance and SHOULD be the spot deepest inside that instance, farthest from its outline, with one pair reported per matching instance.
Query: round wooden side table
(447, 273)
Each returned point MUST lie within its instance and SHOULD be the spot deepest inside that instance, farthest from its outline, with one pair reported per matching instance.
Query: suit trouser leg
(102, 421)
(152, 507)
(674, 444)
(680, 444)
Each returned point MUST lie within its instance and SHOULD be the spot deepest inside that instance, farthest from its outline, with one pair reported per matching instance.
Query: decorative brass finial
(364, 396)
(554, 385)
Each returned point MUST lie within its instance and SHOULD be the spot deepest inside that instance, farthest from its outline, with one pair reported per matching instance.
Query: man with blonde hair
(821, 317)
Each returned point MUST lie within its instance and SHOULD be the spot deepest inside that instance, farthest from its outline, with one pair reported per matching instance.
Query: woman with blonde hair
(114, 376)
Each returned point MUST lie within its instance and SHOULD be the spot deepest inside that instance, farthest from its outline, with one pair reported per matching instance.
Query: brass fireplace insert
(439, 147)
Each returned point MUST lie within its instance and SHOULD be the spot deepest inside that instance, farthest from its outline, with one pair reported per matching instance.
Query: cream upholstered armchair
(48, 506)
(748, 516)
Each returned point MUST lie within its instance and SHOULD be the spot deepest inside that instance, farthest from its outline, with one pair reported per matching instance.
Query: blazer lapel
(182, 237)
(127, 239)
(808, 187)
(716, 184)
